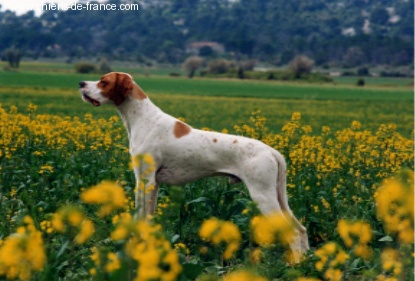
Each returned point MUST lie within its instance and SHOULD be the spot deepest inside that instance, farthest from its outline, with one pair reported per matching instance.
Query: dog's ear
(123, 87)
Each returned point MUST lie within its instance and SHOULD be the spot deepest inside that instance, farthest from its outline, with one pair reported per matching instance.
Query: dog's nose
(82, 84)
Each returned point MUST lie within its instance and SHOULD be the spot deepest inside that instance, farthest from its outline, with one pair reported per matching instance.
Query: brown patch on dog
(181, 129)
(116, 86)
(215, 140)
(235, 141)
(138, 93)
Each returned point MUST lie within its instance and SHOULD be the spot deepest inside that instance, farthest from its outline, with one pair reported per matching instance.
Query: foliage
(360, 82)
(347, 181)
(220, 66)
(191, 64)
(104, 66)
(271, 31)
(301, 65)
(13, 57)
(84, 67)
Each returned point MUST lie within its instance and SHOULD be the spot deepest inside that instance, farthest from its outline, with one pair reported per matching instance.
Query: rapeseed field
(67, 208)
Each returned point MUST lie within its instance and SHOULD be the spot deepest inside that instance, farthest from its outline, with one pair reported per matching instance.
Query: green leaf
(192, 271)
(386, 238)
(199, 200)
(62, 249)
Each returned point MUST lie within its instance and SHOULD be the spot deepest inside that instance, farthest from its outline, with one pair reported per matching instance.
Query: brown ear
(123, 87)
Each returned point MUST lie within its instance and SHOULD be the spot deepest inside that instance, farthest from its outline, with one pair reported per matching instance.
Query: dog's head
(114, 87)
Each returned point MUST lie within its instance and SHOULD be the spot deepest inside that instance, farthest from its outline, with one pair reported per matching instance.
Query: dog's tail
(282, 190)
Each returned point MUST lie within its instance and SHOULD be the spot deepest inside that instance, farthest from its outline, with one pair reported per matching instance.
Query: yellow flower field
(68, 213)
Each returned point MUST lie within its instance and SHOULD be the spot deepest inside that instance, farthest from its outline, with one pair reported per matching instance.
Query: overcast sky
(22, 6)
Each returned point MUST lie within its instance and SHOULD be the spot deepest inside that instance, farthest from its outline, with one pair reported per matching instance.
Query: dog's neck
(138, 114)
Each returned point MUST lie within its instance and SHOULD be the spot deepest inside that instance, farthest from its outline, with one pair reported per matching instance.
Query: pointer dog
(183, 154)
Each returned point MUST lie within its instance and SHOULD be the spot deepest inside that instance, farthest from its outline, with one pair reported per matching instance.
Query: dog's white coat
(183, 154)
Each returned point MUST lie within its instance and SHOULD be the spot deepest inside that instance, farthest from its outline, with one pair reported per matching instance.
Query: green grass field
(339, 150)
(219, 104)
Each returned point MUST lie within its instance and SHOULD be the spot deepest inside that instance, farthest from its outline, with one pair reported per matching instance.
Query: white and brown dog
(183, 154)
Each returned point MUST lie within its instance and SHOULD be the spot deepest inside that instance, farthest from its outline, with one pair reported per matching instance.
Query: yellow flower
(148, 159)
(113, 263)
(255, 256)
(395, 205)
(13, 192)
(22, 253)
(153, 253)
(145, 163)
(218, 231)
(180, 247)
(73, 217)
(268, 229)
(46, 168)
(120, 233)
(356, 231)
(86, 230)
(109, 195)
(390, 261)
(296, 116)
(242, 275)
(208, 227)
(95, 256)
(356, 125)
(330, 257)
(93, 271)
(333, 274)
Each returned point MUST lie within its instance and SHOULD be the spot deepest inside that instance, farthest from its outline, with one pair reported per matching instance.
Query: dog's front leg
(145, 195)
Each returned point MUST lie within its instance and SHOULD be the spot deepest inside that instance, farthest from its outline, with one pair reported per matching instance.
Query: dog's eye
(103, 82)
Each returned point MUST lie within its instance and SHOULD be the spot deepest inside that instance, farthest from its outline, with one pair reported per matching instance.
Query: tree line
(331, 32)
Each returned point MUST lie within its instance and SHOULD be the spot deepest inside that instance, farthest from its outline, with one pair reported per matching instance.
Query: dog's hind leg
(260, 177)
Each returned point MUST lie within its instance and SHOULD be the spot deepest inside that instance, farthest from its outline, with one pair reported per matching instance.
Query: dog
(183, 154)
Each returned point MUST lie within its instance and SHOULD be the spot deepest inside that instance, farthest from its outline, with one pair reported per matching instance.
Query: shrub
(104, 66)
(363, 71)
(301, 65)
(247, 64)
(393, 74)
(220, 66)
(360, 82)
(84, 67)
(13, 56)
(191, 64)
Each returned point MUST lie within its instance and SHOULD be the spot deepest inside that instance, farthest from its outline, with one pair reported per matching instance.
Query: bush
(393, 74)
(248, 65)
(301, 65)
(220, 66)
(104, 66)
(363, 71)
(85, 67)
(360, 82)
(191, 64)
(13, 56)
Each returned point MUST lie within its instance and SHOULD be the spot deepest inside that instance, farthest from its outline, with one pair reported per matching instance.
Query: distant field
(377, 81)
(219, 104)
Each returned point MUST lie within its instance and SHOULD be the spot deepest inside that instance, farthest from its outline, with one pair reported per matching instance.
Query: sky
(23, 6)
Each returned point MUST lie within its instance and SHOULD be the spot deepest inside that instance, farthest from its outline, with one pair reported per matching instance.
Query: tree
(353, 57)
(379, 16)
(301, 65)
(13, 56)
(191, 64)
